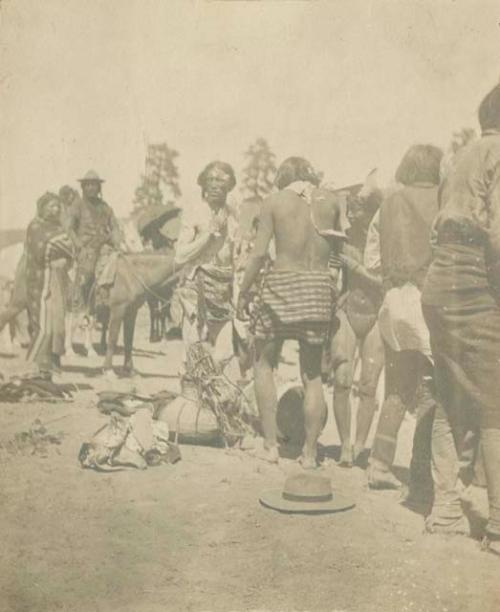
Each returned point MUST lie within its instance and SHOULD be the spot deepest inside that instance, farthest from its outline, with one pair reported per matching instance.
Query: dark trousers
(409, 386)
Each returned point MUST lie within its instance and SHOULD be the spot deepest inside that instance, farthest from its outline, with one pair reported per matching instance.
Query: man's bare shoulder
(278, 199)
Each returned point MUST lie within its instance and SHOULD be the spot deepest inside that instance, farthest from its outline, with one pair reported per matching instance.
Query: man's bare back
(286, 216)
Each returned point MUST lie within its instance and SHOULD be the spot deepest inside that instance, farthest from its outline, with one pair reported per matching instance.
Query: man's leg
(400, 382)
(267, 355)
(372, 363)
(490, 446)
(447, 509)
(314, 400)
(343, 349)
(420, 485)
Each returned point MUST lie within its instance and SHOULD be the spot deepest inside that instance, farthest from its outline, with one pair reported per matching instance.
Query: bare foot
(110, 374)
(346, 456)
(491, 545)
(308, 463)
(357, 451)
(269, 455)
(380, 477)
(70, 353)
(91, 353)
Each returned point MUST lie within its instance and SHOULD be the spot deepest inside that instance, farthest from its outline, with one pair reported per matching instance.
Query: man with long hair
(206, 250)
(406, 218)
(297, 295)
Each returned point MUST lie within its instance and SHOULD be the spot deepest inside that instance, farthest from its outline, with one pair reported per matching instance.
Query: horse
(137, 276)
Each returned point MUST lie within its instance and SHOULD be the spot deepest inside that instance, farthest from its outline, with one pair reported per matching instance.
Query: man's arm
(371, 256)
(192, 242)
(258, 254)
(371, 278)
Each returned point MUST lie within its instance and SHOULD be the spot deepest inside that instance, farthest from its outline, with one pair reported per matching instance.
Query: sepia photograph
(250, 306)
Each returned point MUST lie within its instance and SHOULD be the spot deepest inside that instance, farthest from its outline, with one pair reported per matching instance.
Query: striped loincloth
(215, 289)
(295, 306)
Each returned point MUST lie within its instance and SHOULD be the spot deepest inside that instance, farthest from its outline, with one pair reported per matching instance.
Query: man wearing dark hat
(91, 225)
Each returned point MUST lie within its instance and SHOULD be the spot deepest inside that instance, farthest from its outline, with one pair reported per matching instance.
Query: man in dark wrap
(297, 295)
(462, 309)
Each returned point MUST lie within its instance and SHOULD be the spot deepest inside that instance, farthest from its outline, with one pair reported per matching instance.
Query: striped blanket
(214, 287)
(295, 305)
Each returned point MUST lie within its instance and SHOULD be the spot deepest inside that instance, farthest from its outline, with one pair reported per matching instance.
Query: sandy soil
(193, 536)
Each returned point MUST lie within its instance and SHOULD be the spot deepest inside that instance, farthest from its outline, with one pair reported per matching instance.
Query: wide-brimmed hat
(155, 216)
(352, 187)
(306, 493)
(90, 177)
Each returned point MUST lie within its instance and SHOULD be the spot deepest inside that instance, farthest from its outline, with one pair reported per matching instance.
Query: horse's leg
(128, 338)
(6, 341)
(151, 328)
(116, 316)
(157, 336)
(10, 313)
(152, 318)
(163, 319)
(7, 319)
(104, 331)
(88, 337)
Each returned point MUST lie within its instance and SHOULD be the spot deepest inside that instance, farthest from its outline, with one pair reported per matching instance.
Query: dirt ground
(194, 537)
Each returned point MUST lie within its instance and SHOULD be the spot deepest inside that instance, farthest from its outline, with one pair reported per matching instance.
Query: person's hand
(349, 262)
(216, 226)
(242, 307)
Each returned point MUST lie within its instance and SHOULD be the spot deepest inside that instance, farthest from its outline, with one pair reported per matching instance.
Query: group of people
(410, 283)
(55, 277)
(407, 280)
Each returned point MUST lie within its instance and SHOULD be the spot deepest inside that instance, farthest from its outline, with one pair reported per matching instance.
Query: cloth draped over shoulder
(46, 245)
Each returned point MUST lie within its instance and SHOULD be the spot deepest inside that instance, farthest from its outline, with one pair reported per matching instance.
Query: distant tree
(160, 182)
(259, 171)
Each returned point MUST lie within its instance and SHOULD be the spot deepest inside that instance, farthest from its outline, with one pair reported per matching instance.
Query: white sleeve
(371, 257)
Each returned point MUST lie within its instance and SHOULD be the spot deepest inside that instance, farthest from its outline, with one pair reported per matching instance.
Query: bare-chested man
(297, 296)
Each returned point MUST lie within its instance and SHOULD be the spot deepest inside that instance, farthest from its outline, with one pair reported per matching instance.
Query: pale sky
(349, 84)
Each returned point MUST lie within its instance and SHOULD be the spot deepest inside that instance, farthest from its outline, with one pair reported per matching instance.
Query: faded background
(347, 84)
